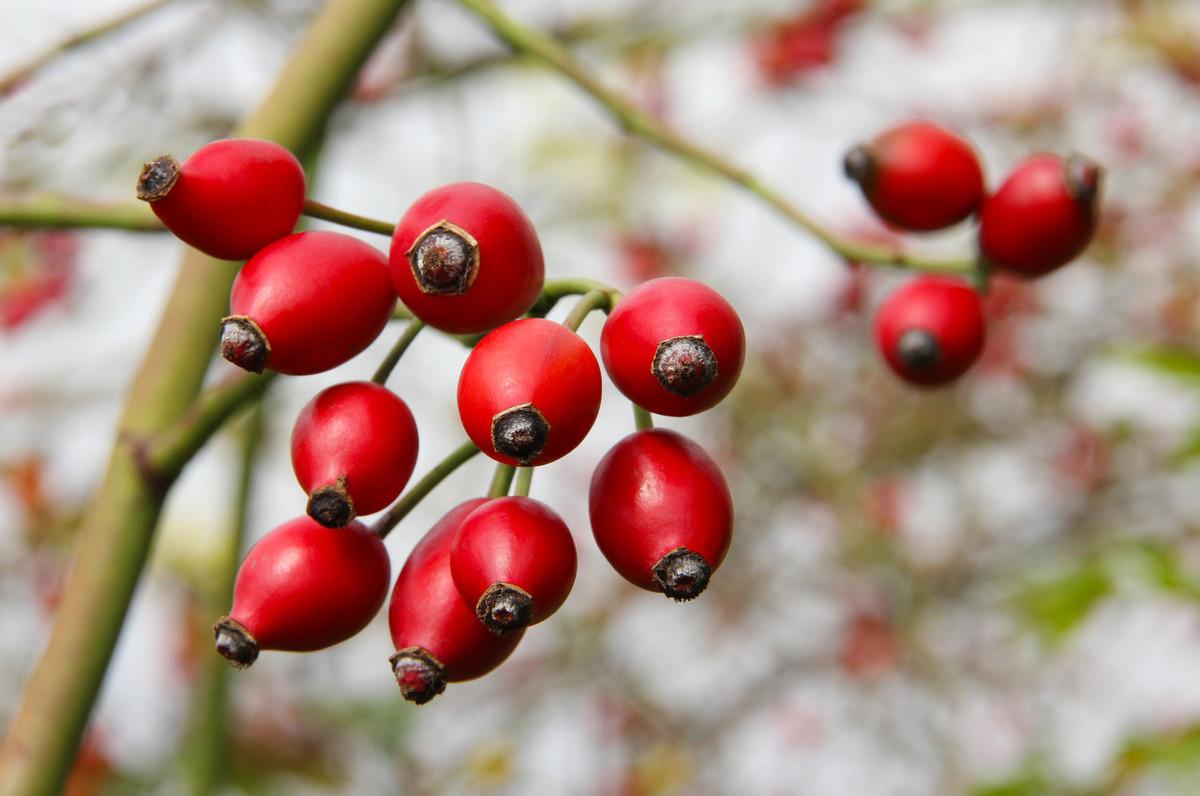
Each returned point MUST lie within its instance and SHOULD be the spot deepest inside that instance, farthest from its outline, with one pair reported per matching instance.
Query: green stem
(314, 209)
(389, 362)
(524, 481)
(642, 420)
(592, 300)
(46, 210)
(409, 500)
(501, 480)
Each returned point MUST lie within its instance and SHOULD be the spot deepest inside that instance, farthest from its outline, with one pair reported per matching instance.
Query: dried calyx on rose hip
(513, 559)
(354, 447)
(673, 346)
(304, 587)
(437, 636)
(661, 512)
(918, 176)
(529, 392)
(307, 303)
(230, 198)
(931, 330)
(465, 258)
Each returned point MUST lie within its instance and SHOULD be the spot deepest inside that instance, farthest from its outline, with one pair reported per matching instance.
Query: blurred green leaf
(1029, 782)
(1177, 362)
(1178, 750)
(1055, 607)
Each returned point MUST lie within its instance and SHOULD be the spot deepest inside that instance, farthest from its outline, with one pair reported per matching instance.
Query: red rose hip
(931, 330)
(1043, 216)
(661, 512)
(307, 303)
(918, 176)
(673, 346)
(437, 636)
(513, 559)
(354, 447)
(230, 198)
(466, 259)
(529, 392)
(304, 587)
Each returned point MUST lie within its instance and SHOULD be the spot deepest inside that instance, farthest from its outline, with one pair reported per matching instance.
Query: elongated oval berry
(304, 587)
(661, 512)
(466, 259)
(230, 198)
(918, 176)
(513, 559)
(931, 330)
(673, 346)
(354, 447)
(1043, 216)
(437, 637)
(529, 392)
(307, 303)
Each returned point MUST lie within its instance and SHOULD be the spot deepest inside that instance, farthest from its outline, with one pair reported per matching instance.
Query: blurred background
(992, 589)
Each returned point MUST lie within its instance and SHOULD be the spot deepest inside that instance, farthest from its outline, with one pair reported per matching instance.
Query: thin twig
(46, 210)
(409, 500)
(314, 209)
(393, 357)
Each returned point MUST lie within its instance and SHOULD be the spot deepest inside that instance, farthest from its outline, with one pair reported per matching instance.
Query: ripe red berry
(307, 303)
(918, 176)
(354, 447)
(931, 330)
(673, 346)
(513, 560)
(466, 259)
(1043, 216)
(529, 392)
(230, 198)
(661, 512)
(304, 587)
(437, 637)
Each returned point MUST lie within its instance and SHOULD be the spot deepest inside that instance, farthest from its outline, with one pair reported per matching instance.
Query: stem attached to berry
(524, 480)
(501, 480)
(417, 492)
(314, 209)
(389, 362)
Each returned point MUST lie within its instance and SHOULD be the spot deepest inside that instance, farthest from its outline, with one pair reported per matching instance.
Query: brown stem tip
(859, 165)
(918, 349)
(684, 365)
(682, 575)
(244, 344)
(235, 643)
(157, 178)
(331, 505)
(520, 432)
(504, 608)
(1083, 176)
(420, 676)
(444, 260)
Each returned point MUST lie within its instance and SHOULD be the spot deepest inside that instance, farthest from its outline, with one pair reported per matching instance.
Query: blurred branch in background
(45, 210)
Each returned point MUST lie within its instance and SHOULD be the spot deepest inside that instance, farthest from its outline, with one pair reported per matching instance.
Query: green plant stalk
(393, 356)
(118, 524)
(501, 480)
(592, 300)
(417, 492)
(633, 120)
(314, 209)
(524, 481)
(46, 210)
(642, 420)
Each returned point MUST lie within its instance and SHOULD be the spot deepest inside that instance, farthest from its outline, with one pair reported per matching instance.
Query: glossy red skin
(511, 269)
(656, 490)
(946, 308)
(360, 431)
(427, 611)
(1032, 225)
(519, 541)
(233, 197)
(319, 297)
(531, 361)
(659, 310)
(306, 587)
(925, 177)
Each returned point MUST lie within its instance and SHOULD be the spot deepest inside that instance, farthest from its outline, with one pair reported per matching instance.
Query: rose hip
(931, 330)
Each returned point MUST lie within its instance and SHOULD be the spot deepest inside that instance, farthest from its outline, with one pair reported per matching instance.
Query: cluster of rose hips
(921, 177)
(464, 259)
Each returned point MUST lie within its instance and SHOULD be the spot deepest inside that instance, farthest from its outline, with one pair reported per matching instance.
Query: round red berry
(354, 447)
(1043, 216)
(513, 560)
(931, 330)
(307, 303)
(661, 512)
(304, 587)
(230, 198)
(918, 176)
(466, 259)
(437, 636)
(529, 392)
(673, 346)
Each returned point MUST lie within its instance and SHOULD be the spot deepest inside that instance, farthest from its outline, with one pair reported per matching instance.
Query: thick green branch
(61, 211)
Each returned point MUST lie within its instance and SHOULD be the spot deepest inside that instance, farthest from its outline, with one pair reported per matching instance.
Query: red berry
(437, 637)
(354, 447)
(230, 198)
(304, 587)
(931, 330)
(514, 561)
(466, 259)
(307, 303)
(529, 392)
(1043, 216)
(918, 176)
(673, 346)
(661, 512)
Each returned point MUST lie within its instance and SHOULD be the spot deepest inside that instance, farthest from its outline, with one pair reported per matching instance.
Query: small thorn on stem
(504, 608)
(157, 178)
(918, 349)
(444, 260)
(684, 365)
(859, 165)
(682, 575)
(244, 344)
(420, 676)
(331, 505)
(235, 643)
(520, 432)
(1083, 176)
